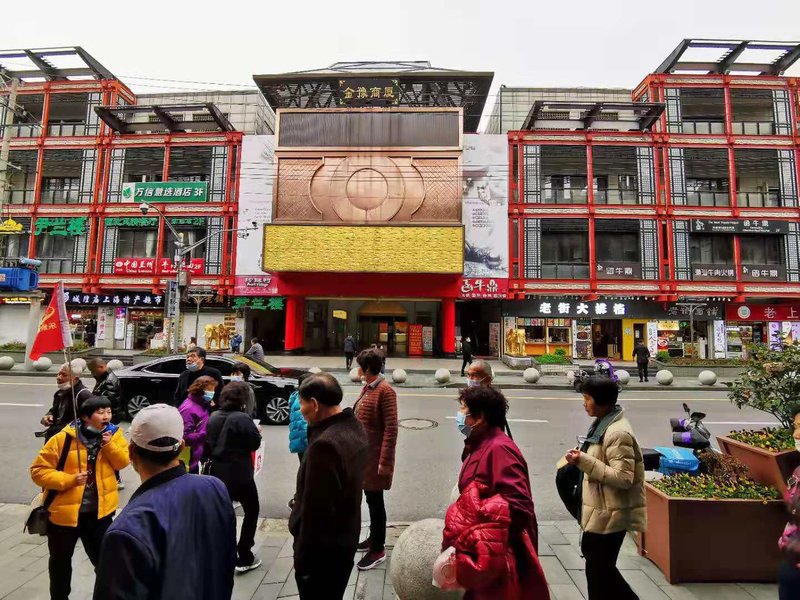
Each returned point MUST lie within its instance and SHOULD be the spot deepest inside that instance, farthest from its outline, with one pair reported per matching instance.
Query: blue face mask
(208, 395)
(461, 423)
(192, 366)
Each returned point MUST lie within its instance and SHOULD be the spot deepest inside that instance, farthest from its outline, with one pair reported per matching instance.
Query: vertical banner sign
(427, 339)
(54, 333)
(415, 340)
(652, 337)
(119, 323)
(494, 338)
(101, 324)
(720, 339)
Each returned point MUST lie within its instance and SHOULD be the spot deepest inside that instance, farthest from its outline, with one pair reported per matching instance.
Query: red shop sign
(134, 266)
(762, 312)
(483, 287)
(195, 266)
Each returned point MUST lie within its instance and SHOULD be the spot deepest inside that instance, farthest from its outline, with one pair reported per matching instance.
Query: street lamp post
(182, 250)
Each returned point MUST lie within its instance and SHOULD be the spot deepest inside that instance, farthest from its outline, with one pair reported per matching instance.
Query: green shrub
(560, 352)
(770, 438)
(683, 485)
(13, 346)
(79, 345)
(552, 359)
(662, 356)
(707, 362)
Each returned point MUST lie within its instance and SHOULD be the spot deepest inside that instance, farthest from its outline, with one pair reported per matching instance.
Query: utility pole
(5, 145)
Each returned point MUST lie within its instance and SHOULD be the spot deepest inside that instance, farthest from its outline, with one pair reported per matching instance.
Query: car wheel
(277, 410)
(137, 403)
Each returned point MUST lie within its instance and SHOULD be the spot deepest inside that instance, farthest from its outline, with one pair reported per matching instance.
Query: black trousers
(327, 580)
(377, 520)
(247, 494)
(642, 367)
(603, 578)
(788, 581)
(348, 359)
(61, 544)
(465, 364)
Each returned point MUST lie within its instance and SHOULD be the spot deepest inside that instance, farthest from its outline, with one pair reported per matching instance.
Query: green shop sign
(258, 303)
(165, 191)
(191, 221)
(65, 226)
(131, 221)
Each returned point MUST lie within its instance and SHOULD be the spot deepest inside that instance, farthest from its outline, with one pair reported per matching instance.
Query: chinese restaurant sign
(165, 191)
(618, 270)
(763, 272)
(195, 266)
(763, 312)
(605, 308)
(415, 340)
(256, 285)
(258, 303)
(147, 266)
(10, 226)
(368, 92)
(483, 287)
(746, 226)
(131, 221)
(76, 298)
(61, 226)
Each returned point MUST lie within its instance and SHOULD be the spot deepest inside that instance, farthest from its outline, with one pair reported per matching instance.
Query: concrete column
(449, 326)
(295, 323)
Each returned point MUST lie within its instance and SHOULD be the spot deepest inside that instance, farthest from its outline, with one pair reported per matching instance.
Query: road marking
(25, 405)
(29, 384)
(761, 423)
(515, 420)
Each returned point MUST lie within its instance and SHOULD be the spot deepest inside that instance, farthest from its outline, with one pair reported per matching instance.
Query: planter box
(723, 372)
(693, 540)
(56, 357)
(770, 468)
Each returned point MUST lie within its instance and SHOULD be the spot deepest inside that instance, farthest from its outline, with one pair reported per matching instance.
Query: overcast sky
(614, 43)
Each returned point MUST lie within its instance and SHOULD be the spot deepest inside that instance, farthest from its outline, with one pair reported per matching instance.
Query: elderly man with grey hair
(479, 373)
(63, 413)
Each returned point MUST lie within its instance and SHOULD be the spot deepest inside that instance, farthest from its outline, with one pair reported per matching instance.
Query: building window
(137, 243)
(617, 247)
(565, 255)
(55, 252)
(190, 236)
(711, 249)
(762, 250)
(59, 190)
(14, 246)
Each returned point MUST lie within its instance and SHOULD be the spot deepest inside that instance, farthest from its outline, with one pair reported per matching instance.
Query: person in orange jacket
(86, 495)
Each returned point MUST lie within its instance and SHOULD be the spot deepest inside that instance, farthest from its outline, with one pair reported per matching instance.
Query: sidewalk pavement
(23, 568)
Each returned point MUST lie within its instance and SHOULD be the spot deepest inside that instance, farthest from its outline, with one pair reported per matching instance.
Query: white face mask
(797, 445)
(64, 386)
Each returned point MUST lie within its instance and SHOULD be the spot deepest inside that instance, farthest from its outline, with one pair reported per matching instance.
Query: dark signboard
(706, 272)
(368, 92)
(763, 273)
(605, 308)
(619, 270)
(763, 226)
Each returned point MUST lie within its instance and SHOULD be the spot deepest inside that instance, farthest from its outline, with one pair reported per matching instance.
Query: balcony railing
(566, 196)
(55, 265)
(616, 197)
(21, 130)
(758, 199)
(704, 127)
(66, 129)
(708, 198)
(753, 128)
(20, 196)
(565, 271)
(60, 197)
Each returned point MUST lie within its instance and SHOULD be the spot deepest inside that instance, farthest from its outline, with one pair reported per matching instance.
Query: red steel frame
(91, 280)
(664, 212)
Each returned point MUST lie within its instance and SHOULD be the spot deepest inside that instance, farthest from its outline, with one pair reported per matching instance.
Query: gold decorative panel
(364, 249)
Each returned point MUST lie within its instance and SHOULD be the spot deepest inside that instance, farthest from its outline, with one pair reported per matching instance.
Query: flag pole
(77, 423)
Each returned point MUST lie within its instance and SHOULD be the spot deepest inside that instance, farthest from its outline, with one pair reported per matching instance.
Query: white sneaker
(237, 505)
(245, 568)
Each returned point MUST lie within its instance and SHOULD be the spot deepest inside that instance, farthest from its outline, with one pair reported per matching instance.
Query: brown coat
(377, 411)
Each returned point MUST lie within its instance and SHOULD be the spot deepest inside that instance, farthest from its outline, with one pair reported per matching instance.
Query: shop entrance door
(383, 323)
(607, 338)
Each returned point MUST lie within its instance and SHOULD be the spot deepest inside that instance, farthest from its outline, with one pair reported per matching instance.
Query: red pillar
(294, 335)
(449, 326)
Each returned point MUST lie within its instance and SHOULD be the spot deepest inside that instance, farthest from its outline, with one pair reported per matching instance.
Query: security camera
(144, 207)
(255, 225)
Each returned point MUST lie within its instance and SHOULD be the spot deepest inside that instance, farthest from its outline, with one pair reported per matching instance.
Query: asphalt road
(544, 424)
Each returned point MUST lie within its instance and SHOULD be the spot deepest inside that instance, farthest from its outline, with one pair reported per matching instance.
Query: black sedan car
(155, 381)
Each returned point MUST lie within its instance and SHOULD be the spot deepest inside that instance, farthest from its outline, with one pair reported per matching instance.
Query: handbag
(218, 448)
(39, 517)
(569, 483)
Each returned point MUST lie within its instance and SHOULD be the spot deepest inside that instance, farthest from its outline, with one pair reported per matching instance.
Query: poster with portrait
(485, 205)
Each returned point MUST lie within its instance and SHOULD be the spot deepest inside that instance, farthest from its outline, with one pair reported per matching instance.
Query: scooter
(691, 432)
(602, 368)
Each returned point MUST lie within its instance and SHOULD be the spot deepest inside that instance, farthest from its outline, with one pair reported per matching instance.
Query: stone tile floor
(23, 568)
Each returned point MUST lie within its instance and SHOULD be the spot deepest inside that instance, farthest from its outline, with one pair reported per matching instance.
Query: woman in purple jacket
(194, 411)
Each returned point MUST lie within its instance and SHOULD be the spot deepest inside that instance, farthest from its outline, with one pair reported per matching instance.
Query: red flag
(54, 331)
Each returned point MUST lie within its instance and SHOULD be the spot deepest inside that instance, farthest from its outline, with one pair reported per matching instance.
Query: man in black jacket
(326, 519)
(196, 367)
(641, 355)
(466, 352)
(107, 385)
(62, 412)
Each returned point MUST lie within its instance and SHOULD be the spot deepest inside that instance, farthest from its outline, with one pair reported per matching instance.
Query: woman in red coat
(376, 408)
(494, 461)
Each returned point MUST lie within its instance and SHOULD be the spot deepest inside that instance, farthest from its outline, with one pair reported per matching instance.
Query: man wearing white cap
(176, 538)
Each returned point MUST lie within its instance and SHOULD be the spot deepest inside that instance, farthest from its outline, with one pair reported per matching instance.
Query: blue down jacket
(298, 428)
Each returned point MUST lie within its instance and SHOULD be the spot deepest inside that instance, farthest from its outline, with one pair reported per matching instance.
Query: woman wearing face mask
(241, 372)
(789, 574)
(84, 491)
(194, 411)
(494, 463)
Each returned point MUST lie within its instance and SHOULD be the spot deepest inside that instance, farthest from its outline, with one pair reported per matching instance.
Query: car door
(163, 378)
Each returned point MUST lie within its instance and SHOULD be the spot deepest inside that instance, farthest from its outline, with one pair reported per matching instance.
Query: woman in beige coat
(612, 500)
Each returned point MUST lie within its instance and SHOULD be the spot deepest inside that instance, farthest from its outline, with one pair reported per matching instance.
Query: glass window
(223, 366)
(14, 246)
(173, 366)
(190, 236)
(762, 250)
(617, 247)
(534, 334)
(711, 249)
(55, 252)
(564, 247)
(137, 243)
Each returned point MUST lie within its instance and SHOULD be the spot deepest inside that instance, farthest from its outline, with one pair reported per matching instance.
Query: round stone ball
(79, 362)
(665, 377)
(531, 375)
(623, 377)
(315, 370)
(571, 377)
(399, 376)
(411, 569)
(442, 375)
(354, 376)
(707, 377)
(6, 363)
(43, 364)
(114, 364)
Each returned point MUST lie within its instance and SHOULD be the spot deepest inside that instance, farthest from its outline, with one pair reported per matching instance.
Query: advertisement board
(485, 205)
(415, 340)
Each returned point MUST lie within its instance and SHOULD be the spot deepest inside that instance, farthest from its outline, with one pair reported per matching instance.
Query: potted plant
(771, 384)
(718, 526)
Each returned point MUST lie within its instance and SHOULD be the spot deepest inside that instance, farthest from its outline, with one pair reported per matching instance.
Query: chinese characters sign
(706, 271)
(61, 226)
(131, 222)
(259, 303)
(190, 221)
(165, 191)
(195, 266)
(75, 298)
(415, 340)
(10, 226)
(740, 226)
(763, 273)
(147, 266)
(763, 312)
(256, 285)
(618, 270)
(368, 92)
(483, 288)
(604, 308)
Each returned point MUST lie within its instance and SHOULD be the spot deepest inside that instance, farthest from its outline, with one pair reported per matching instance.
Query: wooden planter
(768, 468)
(693, 540)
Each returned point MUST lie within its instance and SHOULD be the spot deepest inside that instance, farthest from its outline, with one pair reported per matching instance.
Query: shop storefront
(773, 324)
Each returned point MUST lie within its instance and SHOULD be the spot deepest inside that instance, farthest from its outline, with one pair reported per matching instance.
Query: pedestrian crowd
(177, 537)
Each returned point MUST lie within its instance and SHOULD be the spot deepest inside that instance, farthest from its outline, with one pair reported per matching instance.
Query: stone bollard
(414, 553)
(315, 370)
(43, 364)
(707, 377)
(399, 376)
(79, 362)
(354, 376)
(6, 363)
(115, 364)
(623, 376)
(531, 375)
(664, 377)
(442, 375)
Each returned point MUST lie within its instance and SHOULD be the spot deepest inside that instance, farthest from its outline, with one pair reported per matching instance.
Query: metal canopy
(738, 56)
(419, 85)
(644, 114)
(51, 64)
(123, 119)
